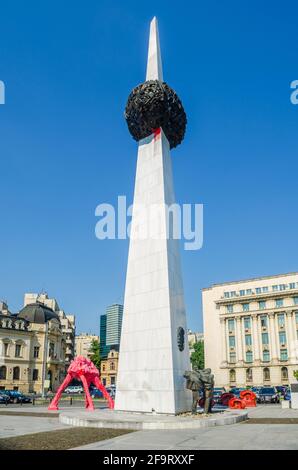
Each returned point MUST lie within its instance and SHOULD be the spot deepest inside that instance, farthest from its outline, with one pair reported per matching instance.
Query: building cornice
(275, 276)
(270, 312)
(242, 299)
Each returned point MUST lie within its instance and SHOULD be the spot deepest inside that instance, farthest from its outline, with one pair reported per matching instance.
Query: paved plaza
(243, 436)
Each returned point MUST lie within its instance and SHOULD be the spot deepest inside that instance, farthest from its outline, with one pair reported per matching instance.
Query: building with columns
(251, 330)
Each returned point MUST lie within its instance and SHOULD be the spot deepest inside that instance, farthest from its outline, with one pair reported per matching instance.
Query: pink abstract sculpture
(82, 369)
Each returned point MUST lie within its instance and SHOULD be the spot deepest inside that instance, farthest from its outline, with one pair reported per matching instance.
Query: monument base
(138, 421)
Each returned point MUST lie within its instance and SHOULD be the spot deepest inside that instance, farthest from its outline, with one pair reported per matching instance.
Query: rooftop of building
(260, 278)
(37, 313)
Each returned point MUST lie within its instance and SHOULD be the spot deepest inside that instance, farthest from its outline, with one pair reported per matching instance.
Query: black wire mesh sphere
(154, 104)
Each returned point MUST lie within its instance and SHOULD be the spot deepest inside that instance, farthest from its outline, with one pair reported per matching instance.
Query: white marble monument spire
(154, 349)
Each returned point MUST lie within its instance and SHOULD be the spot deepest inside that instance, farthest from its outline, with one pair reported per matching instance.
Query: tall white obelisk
(154, 348)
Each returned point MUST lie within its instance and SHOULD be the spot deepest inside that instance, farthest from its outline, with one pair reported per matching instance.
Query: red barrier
(237, 403)
(225, 398)
(249, 397)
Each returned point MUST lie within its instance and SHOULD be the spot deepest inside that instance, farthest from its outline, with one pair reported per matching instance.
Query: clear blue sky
(64, 146)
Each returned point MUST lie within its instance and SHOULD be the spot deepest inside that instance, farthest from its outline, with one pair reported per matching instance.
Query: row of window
(260, 290)
(283, 355)
(264, 321)
(248, 337)
(266, 374)
(18, 352)
(16, 373)
(112, 379)
(112, 366)
(262, 305)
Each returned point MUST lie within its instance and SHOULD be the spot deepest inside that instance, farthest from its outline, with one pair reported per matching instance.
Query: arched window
(16, 373)
(232, 375)
(284, 373)
(2, 373)
(249, 375)
(112, 366)
(103, 367)
(266, 374)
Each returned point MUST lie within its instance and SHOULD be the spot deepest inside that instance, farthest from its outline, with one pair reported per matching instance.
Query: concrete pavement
(236, 436)
(242, 436)
(239, 436)
(20, 425)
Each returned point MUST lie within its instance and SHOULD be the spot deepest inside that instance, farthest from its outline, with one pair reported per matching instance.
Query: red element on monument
(157, 133)
(84, 370)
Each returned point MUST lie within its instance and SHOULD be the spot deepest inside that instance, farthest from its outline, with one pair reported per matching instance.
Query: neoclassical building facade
(251, 330)
(67, 321)
(32, 349)
(109, 368)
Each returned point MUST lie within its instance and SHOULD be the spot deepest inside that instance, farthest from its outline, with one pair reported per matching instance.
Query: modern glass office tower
(110, 329)
(114, 315)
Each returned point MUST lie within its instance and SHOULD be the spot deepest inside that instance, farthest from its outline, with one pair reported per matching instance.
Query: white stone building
(83, 343)
(193, 337)
(251, 330)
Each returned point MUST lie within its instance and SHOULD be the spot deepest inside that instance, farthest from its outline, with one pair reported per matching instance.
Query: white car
(74, 389)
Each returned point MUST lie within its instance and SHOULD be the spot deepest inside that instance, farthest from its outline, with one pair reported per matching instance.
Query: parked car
(4, 399)
(287, 395)
(17, 397)
(236, 391)
(268, 395)
(256, 390)
(281, 389)
(217, 393)
(111, 391)
(74, 389)
(95, 393)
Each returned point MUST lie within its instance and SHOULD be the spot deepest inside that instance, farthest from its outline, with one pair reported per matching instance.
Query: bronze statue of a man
(200, 380)
(194, 384)
(208, 385)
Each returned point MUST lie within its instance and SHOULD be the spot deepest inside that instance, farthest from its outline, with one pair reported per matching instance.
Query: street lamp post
(44, 364)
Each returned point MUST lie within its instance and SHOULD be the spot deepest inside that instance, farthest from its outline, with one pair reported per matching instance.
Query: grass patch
(61, 439)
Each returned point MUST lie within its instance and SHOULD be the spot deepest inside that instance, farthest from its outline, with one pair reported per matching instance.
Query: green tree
(197, 356)
(95, 357)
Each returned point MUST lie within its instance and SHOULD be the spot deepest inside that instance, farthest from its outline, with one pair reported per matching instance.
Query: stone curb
(83, 419)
